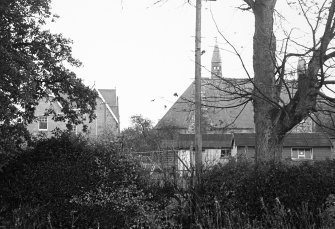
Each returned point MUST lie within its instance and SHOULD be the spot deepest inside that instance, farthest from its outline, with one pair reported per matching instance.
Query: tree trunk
(273, 121)
(265, 96)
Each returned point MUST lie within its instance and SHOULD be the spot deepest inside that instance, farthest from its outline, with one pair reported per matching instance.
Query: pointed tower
(216, 63)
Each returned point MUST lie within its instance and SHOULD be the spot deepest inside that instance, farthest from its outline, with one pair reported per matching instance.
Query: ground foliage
(272, 195)
(67, 181)
(70, 181)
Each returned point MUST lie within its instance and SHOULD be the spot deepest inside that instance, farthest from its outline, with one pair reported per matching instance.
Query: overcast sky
(146, 51)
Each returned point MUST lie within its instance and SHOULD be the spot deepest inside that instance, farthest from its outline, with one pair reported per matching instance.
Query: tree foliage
(141, 136)
(33, 65)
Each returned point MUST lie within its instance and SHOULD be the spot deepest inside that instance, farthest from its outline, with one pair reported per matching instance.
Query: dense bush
(297, 193)
(70, 182)
(67, 181)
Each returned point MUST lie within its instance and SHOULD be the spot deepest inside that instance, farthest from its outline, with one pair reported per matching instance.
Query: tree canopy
(34, 64)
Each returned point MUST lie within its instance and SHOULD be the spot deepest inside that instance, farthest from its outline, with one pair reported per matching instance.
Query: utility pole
(197, 99)
(197, 96)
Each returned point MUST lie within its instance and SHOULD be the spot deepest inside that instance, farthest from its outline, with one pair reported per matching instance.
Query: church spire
(216, 62)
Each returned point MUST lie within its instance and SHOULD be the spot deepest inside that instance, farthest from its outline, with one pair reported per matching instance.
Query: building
(107, 121)
(220, 148)
(217, 148)
(296, 146)
(227, 109)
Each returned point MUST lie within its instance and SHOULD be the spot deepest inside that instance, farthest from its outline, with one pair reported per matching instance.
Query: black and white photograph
(167, 114)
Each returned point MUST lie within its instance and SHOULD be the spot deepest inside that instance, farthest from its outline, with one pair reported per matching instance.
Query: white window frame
(45, 119)
(302, 156)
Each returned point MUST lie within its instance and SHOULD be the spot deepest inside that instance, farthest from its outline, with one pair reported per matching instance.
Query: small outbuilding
(296, 146)
(216, 148)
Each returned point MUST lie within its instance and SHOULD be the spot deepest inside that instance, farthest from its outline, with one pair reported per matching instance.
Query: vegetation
(68, 181)
(142, 136)
(34, 66)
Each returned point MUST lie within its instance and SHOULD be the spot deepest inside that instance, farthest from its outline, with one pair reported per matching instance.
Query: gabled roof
(109, 98)
(224, 102)
(186, 141)
(244, 139)
(220, 98)
(290, 140)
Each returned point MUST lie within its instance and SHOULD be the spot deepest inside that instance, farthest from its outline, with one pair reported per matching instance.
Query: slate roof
(214, 141)
(224, 102)
(291, 140)
(219, 99)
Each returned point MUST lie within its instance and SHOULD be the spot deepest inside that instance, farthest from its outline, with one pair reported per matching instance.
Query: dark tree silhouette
(33, 65)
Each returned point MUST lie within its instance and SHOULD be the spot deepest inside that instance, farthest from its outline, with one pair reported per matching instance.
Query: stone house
(107, 119)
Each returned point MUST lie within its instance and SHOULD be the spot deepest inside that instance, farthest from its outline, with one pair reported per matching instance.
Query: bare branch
(250, 3)
(329, 56)
(326, 82)
(331, 99)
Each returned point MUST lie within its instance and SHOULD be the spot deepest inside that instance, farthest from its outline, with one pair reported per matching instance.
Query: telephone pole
(197, 99)
(197, 96)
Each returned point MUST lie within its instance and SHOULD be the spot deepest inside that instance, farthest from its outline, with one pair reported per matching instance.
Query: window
(74, 129)
(225, 153)
(43, 123)
(302, 154)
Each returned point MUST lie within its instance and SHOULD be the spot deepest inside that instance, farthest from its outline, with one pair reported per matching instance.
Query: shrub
(260, 193)
(66, 181)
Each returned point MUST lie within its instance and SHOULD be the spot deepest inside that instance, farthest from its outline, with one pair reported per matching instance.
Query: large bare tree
(272, 81)
(274, 118)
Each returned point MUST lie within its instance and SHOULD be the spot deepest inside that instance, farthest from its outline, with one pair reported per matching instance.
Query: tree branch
(329, 82)
(250, 3)
(326, 97)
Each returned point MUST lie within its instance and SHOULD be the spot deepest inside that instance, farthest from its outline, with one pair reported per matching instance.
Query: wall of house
(103, 125)
(245, 153)
(210, 157)
(44, 104)
(319, 153)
